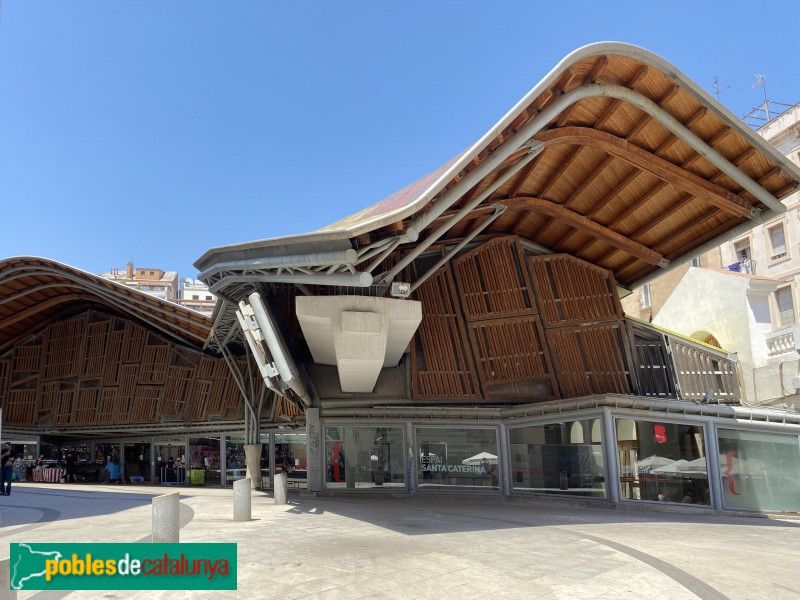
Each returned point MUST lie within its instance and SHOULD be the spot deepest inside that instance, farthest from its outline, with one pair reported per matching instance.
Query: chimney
(129, 270)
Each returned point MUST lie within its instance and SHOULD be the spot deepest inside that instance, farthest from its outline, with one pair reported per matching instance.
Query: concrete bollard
(5, 579)
(242, 500)
(281, 488)
(166, 518)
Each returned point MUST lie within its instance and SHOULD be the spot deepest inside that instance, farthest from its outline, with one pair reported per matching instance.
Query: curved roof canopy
(37, 291)
(615, 157)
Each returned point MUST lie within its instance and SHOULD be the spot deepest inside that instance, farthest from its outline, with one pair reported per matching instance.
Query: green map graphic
(28, 564)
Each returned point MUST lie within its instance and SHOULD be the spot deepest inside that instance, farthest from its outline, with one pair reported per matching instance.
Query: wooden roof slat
(642, 159)
(578, 221)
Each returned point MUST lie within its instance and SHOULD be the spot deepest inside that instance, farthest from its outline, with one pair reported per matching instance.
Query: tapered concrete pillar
(166, 518)
(314, 445)
(281, 488)
(4, 580)
(242, 503)
(252, 454)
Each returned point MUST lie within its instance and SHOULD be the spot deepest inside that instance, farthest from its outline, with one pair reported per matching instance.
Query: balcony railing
(670, 366)
(783, 341)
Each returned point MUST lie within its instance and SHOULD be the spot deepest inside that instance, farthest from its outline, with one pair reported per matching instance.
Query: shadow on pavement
(428, 516)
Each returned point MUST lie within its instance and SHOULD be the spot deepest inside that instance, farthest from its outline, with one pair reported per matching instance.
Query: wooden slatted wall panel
(21, 409)
(65, 400)
(699, 371)
(198, 401)
(176, 393)
(26, 359)
(114, 357)
(105, 412)
(216, 403)
(571, 291)
(127, 381)
(233, 405)
(492, 282)
(651, 365)
(145, 404)
(206, 368)
(123, 409)
(153, 369)
(86, 405)
(48, 396)
(511, 351)
(5, 375)
(135, 337)
(285, 408)
(96, 346)
(64, 349)
(589, 360)
(442, 365)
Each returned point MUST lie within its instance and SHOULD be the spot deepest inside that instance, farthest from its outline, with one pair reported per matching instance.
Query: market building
(466, 334)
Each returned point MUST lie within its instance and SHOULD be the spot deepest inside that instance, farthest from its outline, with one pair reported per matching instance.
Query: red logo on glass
(660, 433)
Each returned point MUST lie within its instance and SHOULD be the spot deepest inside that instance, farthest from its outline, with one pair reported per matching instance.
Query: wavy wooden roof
(628, 165)
(38, 291)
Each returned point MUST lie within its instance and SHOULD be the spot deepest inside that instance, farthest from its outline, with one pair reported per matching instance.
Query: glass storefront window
(364, 457)
(457, 458)
(759, 470)
(235, 460)
(662, 461)
(266, 481)
(204, 461)
(290, 457)
(558, 458)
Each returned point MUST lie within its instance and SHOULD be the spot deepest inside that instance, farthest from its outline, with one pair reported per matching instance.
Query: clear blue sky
(153, 131)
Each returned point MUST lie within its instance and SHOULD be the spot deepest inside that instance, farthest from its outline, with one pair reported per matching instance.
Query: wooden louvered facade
(96, 369)
(502, 327)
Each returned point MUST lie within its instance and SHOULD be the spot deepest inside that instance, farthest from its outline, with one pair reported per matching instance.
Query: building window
(743, 262)
(558, 458)
(696, 261)
(364, 458)
(209, 297)
(777, 241)
(783, 298)
(195, 297)
(646, 296)
(458, 459)
(662, 461)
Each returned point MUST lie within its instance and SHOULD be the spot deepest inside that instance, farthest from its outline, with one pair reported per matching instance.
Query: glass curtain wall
(759, 470)
(457, 459)
(364, 457)
(558, 458)
(290, 457)
(235, 460)
(204, 461)
(662, 462)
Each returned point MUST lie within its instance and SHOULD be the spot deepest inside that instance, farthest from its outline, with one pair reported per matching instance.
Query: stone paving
(444, 547)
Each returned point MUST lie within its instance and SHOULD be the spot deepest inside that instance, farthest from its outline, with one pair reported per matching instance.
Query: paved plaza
(442, 547)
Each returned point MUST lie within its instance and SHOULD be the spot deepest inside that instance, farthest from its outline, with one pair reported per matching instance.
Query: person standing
(6, 469)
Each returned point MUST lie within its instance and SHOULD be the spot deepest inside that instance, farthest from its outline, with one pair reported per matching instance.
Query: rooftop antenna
(761, 80)
(717, 90)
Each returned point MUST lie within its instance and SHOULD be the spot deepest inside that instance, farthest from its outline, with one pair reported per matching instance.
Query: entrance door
(137, 462)
(290, 457)
(171, 462)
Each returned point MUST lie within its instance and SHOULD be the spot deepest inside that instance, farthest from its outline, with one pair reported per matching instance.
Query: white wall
(731, 307)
